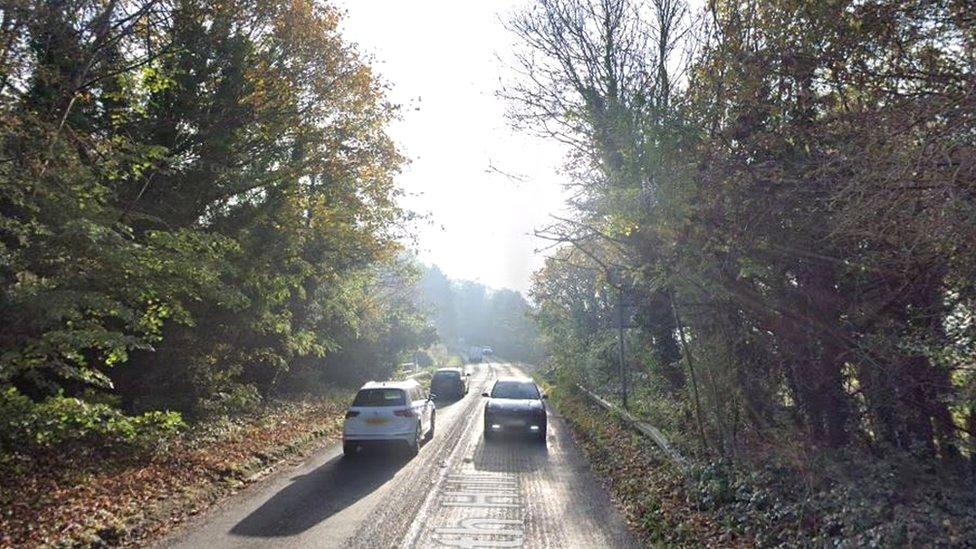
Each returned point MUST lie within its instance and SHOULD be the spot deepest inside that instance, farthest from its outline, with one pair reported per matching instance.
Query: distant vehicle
(388, 411)
(515, 405)
(488, 351)
(476, 354)
(449, 382)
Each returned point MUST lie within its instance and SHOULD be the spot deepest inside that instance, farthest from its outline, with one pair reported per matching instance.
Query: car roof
(456, 370)
(520, 379)
(406, 384)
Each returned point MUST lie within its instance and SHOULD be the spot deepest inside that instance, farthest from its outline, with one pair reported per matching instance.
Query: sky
(483, 186)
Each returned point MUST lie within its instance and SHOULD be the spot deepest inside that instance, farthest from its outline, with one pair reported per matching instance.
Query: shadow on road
(511, 454)
(314, 497)
(444, 403)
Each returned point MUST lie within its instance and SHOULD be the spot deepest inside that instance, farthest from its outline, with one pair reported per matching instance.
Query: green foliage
(784, 209)
(468, 314)
(784, 216)
(234, 399)
(66, 424)
(796, 496)
(197, 205)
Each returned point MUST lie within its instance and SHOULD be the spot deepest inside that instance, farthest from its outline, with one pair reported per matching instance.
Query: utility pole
(620, 338)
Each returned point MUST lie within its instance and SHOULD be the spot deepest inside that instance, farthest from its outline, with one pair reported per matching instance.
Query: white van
(388, 411)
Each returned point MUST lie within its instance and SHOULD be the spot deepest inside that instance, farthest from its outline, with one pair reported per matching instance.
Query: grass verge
(126, 500)
(650, 491)
(781, 496)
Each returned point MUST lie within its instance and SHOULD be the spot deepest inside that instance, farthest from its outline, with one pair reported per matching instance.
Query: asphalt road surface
(458, 492)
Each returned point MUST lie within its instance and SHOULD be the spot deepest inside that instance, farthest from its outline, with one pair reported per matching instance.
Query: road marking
(484, 484)
(478, 490)
(472, 532)
(410, 539)
(483, 501)
(485, 493)
(476, 542)
(483, 526)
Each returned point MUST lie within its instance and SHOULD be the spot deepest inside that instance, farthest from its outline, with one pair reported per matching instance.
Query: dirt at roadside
(132, 500)
(649, 490)
(826, 498)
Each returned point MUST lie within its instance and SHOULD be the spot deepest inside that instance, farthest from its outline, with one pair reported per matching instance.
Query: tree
(467, 314)
(194, 198)
(782, 201)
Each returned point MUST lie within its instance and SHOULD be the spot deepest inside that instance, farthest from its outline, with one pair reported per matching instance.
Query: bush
(235, 400)
(59, 422)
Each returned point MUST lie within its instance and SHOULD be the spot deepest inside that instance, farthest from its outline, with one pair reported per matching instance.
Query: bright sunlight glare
(484, 187)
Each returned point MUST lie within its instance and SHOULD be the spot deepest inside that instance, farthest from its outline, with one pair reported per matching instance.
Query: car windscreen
(379, 397)
(515, 390)
(440, 377)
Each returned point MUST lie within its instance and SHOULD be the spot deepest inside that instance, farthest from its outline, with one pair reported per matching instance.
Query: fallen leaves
(118, 500)
(828, 497)
(646, 486)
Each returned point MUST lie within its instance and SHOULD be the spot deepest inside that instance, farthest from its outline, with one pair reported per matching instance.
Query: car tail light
(351, 413)
(406, 412)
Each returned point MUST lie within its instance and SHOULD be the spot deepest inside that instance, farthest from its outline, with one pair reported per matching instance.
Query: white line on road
(418, 522)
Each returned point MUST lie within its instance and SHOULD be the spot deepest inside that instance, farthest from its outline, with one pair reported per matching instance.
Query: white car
(389, 411)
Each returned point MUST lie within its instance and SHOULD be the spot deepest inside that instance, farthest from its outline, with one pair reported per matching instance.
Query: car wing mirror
(431, 396)
(484, 394)
(545, 396)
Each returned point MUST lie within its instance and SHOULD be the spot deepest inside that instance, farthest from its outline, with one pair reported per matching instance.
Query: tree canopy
(197, 203)
(467, 313)
(785, 189)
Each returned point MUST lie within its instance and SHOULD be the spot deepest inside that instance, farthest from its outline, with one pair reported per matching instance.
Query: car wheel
(541, 435)
(349, 449)
(413, 447)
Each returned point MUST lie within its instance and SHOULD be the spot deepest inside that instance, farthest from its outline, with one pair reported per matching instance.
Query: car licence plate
(516, 423)
(376, 421)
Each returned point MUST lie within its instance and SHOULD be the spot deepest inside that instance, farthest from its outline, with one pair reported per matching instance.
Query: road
(458, 492)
